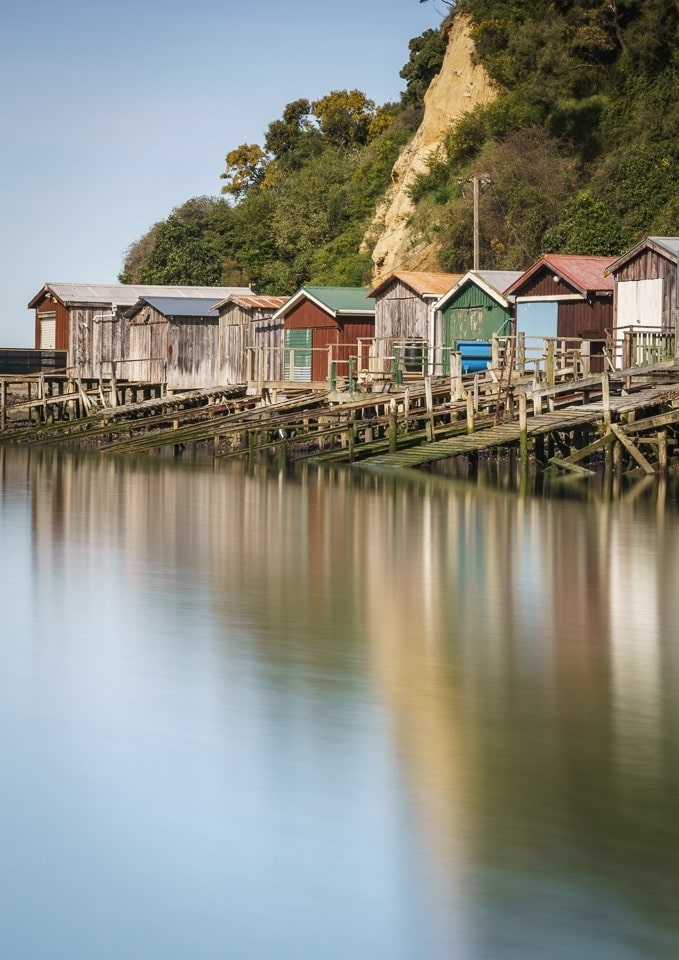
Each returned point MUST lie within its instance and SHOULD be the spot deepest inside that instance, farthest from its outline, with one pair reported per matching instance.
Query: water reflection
(351, 714)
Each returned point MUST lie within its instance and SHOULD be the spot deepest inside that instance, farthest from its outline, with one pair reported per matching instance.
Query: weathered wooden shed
(250, 340)
(174, 340)
(86, 320)
(475, 308)
(565, 296)
(405, 312)
(646, 289)
(323, 324)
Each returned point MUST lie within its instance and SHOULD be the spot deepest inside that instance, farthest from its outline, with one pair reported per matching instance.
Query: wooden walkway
(503, 435)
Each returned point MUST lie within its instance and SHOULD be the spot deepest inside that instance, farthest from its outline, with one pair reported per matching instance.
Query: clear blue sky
(112, 115)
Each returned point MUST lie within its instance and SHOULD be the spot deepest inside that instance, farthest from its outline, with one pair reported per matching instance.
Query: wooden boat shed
(646, 287)
(564, 296)
(324, 325)
(250, 340)
(473, 310)
(405, 314)
(173, 340)
(86, 320)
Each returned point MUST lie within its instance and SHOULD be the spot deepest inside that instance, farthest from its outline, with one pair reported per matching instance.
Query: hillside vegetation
(578, 153)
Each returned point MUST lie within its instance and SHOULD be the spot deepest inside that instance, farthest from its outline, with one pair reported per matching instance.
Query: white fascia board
(472, 277)
(566, 296)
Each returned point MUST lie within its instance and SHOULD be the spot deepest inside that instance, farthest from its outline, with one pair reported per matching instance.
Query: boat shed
(173, 340)
(250, 340)
(475, 309)
(405, 314)
(646, 290)
(324, 324)
(565, 296)
(86, 320)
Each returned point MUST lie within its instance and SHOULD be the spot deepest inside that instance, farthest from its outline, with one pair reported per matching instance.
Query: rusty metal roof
(584, 274)
(253, 301)
(422, 283)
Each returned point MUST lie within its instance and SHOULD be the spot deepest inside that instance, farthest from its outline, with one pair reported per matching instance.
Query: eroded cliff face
(456, 90)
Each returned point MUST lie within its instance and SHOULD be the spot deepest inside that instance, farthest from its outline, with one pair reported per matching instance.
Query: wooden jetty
(625, 420)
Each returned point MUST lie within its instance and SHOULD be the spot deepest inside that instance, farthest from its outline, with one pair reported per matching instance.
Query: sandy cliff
(456, 90)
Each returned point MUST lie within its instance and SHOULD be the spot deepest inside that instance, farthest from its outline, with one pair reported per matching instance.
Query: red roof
(586, 274)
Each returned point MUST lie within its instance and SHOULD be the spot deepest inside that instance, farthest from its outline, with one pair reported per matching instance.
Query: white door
(639, 308)
(48, 332)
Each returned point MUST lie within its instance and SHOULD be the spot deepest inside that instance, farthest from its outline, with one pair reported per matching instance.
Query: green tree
(587, 226)
(344, 117)
(426, 56)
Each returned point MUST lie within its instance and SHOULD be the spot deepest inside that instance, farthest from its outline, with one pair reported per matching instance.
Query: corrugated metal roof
(667, 245)
(253, 301)
(423, 283)
(585, 274)
(498, 279)
(127, 294)
(178, 306)
(670, 244)
(343, 299)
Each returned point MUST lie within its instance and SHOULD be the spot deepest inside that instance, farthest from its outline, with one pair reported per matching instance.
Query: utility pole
(476, 182)
(476, 223)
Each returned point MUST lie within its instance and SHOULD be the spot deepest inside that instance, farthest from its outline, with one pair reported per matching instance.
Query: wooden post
(523, 430)
(586, 356)
(260, 371)
(606, 397)
(494, 351)
(521, 353)
(470, 412)
(476, 393)
(431, 430)
(393, 426)
(406, 407)
(627, 350)
(550, 363)
(3, 404)
(114, 385)
(456, 389)
(662, 452)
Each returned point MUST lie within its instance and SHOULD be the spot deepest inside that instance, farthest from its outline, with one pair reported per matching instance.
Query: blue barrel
(476, 355)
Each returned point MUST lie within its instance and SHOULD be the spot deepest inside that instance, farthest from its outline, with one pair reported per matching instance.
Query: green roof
(343, 299)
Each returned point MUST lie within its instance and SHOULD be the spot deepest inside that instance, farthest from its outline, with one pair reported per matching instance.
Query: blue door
(537, 318)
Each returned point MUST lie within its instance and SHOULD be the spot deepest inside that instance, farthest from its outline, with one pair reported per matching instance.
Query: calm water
(335, 717)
